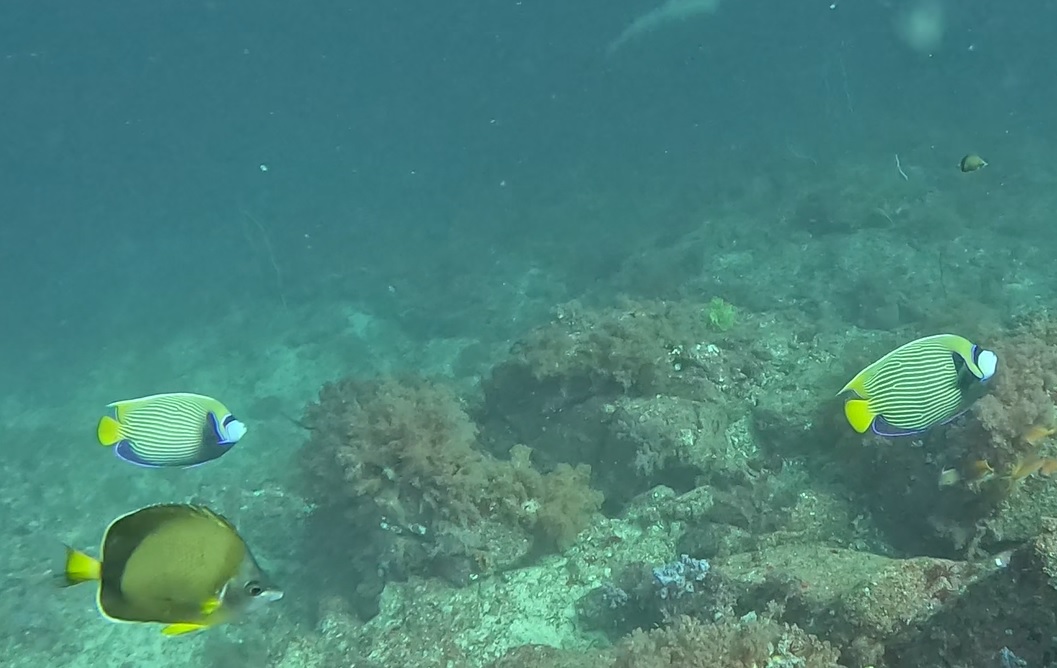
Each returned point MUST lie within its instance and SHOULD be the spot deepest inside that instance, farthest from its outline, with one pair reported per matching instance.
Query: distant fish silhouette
(971, 163)
(670, 12)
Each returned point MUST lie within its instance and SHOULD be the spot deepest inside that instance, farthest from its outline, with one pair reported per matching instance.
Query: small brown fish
(972, 472)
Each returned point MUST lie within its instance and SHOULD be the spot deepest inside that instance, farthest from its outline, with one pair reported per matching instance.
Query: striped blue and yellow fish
(919, 385)
(169, 430)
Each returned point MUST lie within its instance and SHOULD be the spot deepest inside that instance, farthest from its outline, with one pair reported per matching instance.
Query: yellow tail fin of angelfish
(109, 431)
(859, 415)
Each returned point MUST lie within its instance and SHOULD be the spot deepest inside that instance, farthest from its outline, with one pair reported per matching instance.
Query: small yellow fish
(971, 163)
(979, 469)
(1033, 464)
(1038, 434)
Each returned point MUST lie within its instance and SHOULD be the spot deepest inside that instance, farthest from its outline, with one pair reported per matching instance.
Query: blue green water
(248, 199)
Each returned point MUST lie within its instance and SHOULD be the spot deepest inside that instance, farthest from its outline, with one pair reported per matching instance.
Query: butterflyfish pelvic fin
(181, 629)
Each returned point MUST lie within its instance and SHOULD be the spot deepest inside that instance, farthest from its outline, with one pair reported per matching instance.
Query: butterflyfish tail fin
(108, 431)
(80, 568)
(859, 415)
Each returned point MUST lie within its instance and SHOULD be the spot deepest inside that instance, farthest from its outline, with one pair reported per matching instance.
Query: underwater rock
(712, 539)
(749, 642)
(1012, 608)
(862, 603)
(680, 439)
(544, 656)
(427, 622)
(648, 393)
(686, 642)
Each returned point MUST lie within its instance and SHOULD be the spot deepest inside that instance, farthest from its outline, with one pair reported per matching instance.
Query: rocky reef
(661, 484)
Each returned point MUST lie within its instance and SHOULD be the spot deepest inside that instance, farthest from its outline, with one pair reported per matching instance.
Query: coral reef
(766, 607)
(680, 578)
(645, 392)
(398, 460)
(1023, 394)
(804, 526)
(408, 446)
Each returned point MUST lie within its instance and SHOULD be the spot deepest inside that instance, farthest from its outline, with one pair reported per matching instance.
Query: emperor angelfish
(167, 430)
(180, 565)
(918, 385)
